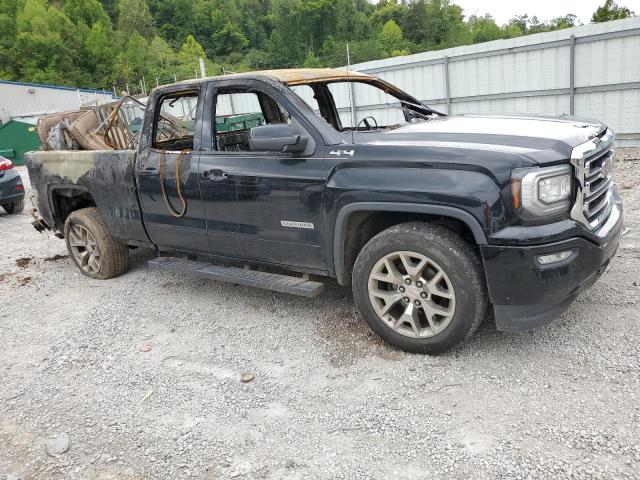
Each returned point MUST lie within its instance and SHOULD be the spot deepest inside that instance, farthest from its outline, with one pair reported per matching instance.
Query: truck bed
(104, 177)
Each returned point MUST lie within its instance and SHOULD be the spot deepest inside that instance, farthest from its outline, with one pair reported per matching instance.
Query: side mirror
(279, 137)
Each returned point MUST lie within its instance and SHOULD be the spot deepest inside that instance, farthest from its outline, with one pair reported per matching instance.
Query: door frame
(207, 137)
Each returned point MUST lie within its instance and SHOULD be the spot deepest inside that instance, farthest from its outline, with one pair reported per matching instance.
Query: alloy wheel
(411, 294)
(84, 249)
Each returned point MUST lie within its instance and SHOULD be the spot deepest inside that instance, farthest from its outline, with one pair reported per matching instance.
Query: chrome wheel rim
(84, 249)
(411, 294)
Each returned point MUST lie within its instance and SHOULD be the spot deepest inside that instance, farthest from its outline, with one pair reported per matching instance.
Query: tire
(95, 252)
(15, 207)
(457, 300)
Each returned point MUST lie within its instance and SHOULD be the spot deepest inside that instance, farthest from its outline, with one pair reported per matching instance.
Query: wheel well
(67, 200)
(363, 226)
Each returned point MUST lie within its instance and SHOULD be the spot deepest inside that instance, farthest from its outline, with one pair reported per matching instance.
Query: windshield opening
(362, 105)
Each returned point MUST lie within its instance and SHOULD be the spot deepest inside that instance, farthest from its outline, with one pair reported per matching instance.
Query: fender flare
(442, 210)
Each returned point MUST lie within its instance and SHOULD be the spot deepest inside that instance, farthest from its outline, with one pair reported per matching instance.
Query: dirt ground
(143, 373)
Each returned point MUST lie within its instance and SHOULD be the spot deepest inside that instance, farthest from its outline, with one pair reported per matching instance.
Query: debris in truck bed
(112, 126)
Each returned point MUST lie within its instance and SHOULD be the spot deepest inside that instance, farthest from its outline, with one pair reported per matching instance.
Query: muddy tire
(15, 207)
(420, 287)
(95, 252)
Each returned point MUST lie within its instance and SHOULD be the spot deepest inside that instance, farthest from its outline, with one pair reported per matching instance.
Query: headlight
(540, 192)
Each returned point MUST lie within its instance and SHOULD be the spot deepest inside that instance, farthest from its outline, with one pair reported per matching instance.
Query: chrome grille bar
(593, 163)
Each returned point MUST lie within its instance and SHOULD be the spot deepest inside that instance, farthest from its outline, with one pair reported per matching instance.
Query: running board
(241, 276)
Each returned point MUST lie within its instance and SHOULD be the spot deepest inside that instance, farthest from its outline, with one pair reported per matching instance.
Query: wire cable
(173, 211)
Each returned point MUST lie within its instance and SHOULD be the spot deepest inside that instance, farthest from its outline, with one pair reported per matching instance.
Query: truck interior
(348, 102)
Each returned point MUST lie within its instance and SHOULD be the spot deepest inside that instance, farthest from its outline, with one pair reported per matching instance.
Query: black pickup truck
(263, 178)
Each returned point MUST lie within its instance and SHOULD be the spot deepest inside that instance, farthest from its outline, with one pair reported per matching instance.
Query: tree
(435, 24)
(391, 39)
(131, 63)
(46, 46)
(8, 12)
(188, 59)
(567, 21)
(311, 61)
(96, 43)
(162, 59)
(86, 11)
(484, 29)
(134, 16)
(610, 11)
(227, 36)
(100, 52)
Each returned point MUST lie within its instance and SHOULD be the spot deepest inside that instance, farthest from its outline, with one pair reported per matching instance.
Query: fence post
(447, 93)
(572, 75)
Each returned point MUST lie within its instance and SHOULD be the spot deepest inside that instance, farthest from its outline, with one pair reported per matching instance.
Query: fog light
(553, 257)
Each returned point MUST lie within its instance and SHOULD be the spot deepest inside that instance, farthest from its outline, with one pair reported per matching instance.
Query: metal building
(26, 101)
(590, 71)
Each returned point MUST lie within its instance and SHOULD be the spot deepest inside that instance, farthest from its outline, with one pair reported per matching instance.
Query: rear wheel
(420, 287)
(92, 248)
(15, 207)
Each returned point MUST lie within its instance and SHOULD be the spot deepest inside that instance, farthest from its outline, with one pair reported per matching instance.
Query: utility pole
(351, 93)
(203, 72)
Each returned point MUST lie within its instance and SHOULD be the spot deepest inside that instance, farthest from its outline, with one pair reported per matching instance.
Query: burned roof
(297, 76)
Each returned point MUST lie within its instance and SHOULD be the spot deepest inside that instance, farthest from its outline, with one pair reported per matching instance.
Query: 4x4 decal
(340, 153)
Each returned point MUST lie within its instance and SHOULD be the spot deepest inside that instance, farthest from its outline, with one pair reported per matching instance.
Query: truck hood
(543, 139)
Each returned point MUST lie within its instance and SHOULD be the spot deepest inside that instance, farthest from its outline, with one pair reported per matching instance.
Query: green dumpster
(243, 121)
(18, 138)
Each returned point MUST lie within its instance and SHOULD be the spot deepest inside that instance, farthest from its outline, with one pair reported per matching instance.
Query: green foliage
(311, 61)
(610, 11)
(188, 57)
(391, 39)
(484, 29)
(115, 43)
(134, 16)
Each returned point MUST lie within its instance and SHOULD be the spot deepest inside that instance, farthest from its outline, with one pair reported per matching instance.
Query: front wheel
(92, 248)
(420, 287)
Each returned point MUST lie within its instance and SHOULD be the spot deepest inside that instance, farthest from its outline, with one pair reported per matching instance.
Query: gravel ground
(143, 372)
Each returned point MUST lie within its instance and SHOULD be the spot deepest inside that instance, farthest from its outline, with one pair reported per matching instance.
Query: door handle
(149, 170)
(215, 174)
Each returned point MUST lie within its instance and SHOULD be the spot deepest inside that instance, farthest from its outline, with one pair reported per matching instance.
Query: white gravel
(328, 399)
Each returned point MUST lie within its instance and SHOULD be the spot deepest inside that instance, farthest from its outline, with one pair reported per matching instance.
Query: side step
(241, 276)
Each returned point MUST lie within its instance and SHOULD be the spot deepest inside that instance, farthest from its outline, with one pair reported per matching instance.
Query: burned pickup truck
(264, 178)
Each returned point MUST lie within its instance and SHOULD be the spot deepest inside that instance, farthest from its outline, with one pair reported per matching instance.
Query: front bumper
(527, 295)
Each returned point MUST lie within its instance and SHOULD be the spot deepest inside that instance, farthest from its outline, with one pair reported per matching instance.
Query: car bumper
(527, 295)
(9, 183)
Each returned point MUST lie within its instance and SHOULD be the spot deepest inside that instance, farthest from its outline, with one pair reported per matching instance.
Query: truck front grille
(594, 163)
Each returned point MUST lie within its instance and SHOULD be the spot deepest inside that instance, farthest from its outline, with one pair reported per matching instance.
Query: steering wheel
(367, 125)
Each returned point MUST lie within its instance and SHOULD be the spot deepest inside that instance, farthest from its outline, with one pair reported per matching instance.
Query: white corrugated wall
(530, 74)
(33, 100)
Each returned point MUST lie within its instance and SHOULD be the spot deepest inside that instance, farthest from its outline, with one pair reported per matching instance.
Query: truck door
(168, 172)
(259, 205)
